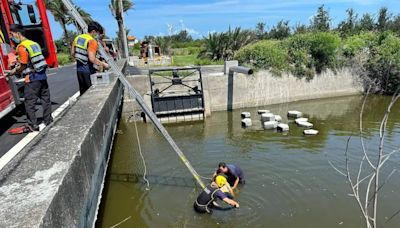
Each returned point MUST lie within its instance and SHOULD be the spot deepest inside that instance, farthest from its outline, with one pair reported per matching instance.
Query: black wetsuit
(204, 201)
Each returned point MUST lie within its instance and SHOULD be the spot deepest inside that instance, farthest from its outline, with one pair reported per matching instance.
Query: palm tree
(117, 13)
(61, 15)
(85, 15)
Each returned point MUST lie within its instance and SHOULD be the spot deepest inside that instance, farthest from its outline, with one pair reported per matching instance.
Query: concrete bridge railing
(56, 181)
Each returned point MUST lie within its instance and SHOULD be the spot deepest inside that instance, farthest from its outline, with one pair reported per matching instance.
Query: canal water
(289, 182)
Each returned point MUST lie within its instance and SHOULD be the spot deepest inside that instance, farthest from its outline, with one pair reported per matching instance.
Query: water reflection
(289, 181)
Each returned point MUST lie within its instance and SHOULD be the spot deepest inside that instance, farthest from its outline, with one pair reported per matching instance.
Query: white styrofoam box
(305, 124)
(295, 114)
(246, 115)
(283, 127)
(261, 111)
(278, 118)
(310, 132)
(246, 122)
(270, 125)
(301, 120)
(265, 117)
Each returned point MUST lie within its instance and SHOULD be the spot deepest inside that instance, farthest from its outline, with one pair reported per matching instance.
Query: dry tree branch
(379, 164)
(359, 174)
(353, 188)
(336, 169)
(368, 203)
(361, 127)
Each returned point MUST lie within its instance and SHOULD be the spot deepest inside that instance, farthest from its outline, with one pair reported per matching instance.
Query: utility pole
(124, 38)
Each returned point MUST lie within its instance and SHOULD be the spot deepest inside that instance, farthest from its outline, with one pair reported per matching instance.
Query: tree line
(370, 45)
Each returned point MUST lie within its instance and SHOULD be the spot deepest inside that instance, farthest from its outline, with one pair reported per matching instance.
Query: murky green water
(289, 182)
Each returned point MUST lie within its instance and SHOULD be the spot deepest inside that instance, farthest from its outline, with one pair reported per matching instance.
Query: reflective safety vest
(2, 39)
(37, 62)
(81, 44)
(206, 197)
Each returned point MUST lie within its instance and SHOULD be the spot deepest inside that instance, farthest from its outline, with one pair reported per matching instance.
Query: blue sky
(154, 17)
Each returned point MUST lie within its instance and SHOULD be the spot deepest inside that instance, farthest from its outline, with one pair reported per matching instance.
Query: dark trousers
(201, 209)
(32, 91)
(84, 81)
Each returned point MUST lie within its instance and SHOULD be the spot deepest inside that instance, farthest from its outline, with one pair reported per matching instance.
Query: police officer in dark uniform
(210, 193)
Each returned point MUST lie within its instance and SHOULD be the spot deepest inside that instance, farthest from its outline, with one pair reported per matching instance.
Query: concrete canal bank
(56, 180)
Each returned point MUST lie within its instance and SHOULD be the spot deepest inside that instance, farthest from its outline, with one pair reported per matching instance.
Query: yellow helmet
(221, 180)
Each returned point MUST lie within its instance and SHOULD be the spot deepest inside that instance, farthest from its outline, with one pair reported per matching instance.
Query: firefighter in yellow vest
(32, 66)
(84, 49)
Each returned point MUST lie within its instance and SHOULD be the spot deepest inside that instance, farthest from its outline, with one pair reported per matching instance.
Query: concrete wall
(264, 89)
(56, 181)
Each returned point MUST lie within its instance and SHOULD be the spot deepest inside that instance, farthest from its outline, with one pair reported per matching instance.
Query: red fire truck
(32, 16)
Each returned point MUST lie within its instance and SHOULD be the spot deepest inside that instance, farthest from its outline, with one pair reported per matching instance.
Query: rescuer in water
(234, 174)
(84, 50)
(204, 202)
(31, 65)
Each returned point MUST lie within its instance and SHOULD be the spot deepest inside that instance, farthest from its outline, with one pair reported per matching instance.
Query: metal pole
(135, 95)
(124, 38)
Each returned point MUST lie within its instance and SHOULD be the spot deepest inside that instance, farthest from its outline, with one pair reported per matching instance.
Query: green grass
(189, 60)
(63, 59)
(184, 60)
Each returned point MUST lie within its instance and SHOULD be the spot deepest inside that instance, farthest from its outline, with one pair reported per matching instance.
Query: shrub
(63, 59)
(324, 49)
(383, 63)
(353, 45)
(223, 46)
(301, 63)
(265, 54)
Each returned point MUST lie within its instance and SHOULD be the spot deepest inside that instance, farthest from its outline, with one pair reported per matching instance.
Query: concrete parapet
(56, 181)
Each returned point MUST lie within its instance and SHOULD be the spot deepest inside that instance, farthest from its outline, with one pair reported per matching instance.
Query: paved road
(63, 84)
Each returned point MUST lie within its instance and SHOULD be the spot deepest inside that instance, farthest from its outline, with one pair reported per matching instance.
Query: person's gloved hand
(106, 66)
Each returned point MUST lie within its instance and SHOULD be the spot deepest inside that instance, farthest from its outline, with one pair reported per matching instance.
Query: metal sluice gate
(177, 94)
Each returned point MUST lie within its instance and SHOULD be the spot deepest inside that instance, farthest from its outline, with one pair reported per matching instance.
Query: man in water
(233, 172)
(211, 192)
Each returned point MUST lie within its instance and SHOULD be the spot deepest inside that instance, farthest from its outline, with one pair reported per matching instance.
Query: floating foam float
(265, 117)
(301, 120)
(283, 127)
(246, 115)
(270, 125)
(262, 111)
(295, 114)
(305, 124)
(278, 118)
(246, 122)
(310, 132)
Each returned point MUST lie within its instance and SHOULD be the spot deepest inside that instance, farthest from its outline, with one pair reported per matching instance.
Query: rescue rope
(206, 178)
(140, 149)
